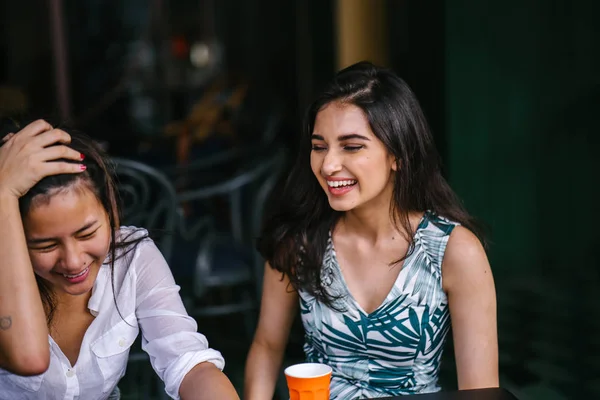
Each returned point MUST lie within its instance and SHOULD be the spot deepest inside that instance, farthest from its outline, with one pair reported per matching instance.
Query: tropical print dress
(396, 349)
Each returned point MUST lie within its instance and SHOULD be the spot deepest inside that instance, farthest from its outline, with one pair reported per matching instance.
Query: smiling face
(68, 239)
(351, 164)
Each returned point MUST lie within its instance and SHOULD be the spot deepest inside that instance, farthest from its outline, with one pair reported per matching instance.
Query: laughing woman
(375, 248)
(76, 288)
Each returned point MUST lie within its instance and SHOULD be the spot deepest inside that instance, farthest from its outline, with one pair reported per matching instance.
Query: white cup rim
(301, 370)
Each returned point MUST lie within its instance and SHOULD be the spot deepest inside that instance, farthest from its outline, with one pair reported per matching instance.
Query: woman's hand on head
(28, 156)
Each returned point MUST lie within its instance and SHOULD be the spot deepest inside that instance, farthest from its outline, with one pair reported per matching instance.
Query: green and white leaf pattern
(396, 349)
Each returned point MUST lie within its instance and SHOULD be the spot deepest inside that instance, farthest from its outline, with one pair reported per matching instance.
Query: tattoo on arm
(5, 322)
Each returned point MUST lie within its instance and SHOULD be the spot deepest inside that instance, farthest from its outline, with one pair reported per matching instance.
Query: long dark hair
(99, 178)
(295, 235)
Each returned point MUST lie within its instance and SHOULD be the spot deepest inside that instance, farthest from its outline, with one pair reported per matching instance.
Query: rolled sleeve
(169, 334)
(172, 357)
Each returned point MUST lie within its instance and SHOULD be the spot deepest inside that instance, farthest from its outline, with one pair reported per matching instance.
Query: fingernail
(82, 167)
(81, 156)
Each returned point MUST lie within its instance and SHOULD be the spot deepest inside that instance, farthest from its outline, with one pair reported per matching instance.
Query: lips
(79, 277)
(340, 190)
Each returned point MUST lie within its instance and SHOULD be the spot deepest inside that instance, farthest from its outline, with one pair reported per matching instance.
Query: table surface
(478, 394)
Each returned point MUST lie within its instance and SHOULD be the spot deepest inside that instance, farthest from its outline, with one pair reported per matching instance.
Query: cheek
(100, 246)
(372, 170)
(313, 161)
(315, 164)
(43, 262)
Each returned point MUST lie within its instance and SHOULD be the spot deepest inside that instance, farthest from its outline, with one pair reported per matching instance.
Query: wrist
(7, 197)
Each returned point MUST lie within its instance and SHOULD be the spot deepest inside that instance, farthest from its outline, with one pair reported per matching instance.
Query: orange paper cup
(308, 381)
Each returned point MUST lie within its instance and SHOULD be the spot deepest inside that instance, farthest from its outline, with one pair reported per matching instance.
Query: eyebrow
(82, 229)
(343, 137)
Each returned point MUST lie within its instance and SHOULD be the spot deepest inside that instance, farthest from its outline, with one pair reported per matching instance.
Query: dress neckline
(401, 274)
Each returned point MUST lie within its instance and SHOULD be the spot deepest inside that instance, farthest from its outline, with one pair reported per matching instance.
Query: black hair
(295, 235)
(99, 177)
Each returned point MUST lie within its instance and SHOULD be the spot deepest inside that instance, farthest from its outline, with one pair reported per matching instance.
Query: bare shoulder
(465, 261)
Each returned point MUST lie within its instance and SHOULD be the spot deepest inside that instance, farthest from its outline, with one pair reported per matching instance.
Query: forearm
(206, 381)
(24, 345)
(262, 370)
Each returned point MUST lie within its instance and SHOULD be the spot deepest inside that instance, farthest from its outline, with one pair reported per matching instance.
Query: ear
(395, 164)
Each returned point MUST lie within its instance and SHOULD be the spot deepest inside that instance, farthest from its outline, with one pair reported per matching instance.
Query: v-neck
(397, 281)
(84, 342)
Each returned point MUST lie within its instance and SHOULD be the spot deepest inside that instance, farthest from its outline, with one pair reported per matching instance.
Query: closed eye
(316, 147)
(354, 148)
(46, 248)
(88, 235)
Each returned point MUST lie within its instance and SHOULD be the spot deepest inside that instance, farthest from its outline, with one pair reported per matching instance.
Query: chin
(78, 291)
(341, 206)
(82, 287)
(82, 291)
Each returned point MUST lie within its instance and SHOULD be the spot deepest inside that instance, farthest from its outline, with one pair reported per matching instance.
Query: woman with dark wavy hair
(374, 246)
(76, 288)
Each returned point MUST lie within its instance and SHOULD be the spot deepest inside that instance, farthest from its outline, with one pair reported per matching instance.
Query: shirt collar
(98, 289)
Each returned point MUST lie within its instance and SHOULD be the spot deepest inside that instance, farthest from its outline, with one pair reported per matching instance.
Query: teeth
(341, 183)
(75, 276)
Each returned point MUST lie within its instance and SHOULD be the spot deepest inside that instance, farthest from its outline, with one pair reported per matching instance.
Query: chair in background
(148, 200)
(231, 214)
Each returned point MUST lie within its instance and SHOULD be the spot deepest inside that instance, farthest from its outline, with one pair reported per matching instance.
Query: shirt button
(122, 342)
(70, 373)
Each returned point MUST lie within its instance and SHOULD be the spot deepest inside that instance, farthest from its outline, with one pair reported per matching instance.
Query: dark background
(511, 90)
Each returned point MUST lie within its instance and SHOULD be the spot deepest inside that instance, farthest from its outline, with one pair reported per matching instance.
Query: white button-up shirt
(148, 298)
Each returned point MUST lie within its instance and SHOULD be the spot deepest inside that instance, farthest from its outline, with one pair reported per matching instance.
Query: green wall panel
(521, 95)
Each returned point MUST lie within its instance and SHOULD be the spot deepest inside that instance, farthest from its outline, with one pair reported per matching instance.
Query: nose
(72, 257)
(332, 163)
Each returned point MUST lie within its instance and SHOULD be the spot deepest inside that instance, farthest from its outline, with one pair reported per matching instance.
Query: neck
(371, 221)
(76, 304)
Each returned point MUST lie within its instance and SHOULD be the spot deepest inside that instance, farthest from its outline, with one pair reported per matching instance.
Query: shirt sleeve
(169, 334)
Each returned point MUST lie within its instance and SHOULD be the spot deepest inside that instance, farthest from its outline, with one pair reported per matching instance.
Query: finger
(7, 137)
(51, 137)
(60, 152)
(59, 167)
(35, 128)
